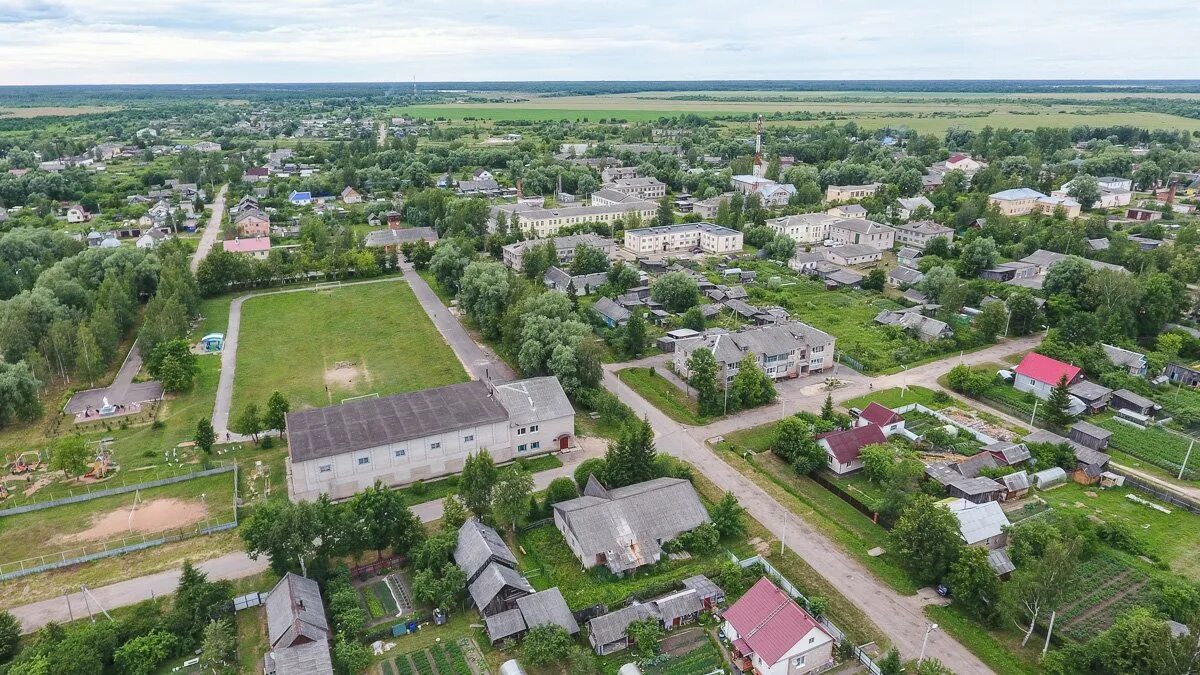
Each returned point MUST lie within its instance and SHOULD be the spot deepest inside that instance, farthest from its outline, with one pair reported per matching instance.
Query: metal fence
(107, 489)
(782, 582)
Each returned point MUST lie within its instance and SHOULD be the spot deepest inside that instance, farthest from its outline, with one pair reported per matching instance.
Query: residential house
(254, 247)
(962, 480)
(611, 313)
(784, 350)
(339, 450)
(919, 234)
(256, 174)
(682, 237)
(982, 525)
(76, 213)
(297, 630)
(542, 608)
(853, 254)
(963, 162)
(926, 329)
(251, 222)
(558, 279)
(1094, 396)
(909, 256)
(843, 193)
(804, 228)
(888, 421)
(1040, 374)
(1130, 361)
(480, 546)
(904, 277)
(907, 206)
(625, 528)
(848, 211)
(842, 447)
(151, 238)
(771, 635)
(707, 208)
(483, 174)
(300, 198)
(866, 232)
(350, 196)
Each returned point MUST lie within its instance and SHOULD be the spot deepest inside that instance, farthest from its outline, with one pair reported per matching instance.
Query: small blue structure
(300, 198)
(213, 342)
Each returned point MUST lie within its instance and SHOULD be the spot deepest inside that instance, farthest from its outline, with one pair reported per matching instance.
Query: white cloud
(135, 41)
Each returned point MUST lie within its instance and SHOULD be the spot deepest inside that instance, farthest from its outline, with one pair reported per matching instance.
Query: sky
(222, 41)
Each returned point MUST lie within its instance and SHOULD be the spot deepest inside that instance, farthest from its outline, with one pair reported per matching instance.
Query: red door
(563, 441)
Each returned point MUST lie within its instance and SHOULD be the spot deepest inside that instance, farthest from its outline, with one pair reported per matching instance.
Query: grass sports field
(319, 347)
(83, 527)
(923, 111)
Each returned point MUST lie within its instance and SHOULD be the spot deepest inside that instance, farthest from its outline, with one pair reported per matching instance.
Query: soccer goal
(359, 398)
(326, 286)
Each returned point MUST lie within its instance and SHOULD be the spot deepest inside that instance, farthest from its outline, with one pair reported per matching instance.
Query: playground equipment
(26, 462)
(100, 467)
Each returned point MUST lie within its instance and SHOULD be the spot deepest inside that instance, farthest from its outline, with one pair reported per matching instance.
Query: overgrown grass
(664, 395)
(1005, 659)
(419, 493)
(895, 398)
(294, 343)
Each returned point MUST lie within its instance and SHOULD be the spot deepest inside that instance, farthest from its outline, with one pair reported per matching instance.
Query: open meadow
(324, 346)
(927, 112)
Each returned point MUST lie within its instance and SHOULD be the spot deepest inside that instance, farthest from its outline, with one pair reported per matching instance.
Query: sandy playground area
(147, 517)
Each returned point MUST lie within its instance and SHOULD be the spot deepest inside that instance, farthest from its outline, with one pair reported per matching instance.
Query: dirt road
(209, 237)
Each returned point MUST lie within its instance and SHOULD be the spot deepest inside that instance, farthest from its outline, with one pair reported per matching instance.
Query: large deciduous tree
(478, 480)
(927, 540)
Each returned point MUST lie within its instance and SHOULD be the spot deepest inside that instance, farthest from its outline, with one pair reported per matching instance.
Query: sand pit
(152, 516)
(346, 375)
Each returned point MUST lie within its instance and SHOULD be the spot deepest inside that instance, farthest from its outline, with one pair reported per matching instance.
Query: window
(468, 438)
(401, 452)
(364, 460)
(818, 349)
(521, 448)
(535, 445)
(435, 445)
(533, 428)
(812, 640)
(798, 661)
(521, 431)
(325, 468)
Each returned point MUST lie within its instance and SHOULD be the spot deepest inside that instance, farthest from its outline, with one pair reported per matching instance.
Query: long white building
(684, 236)
(543, 222)
(340, 450)
(804, 228)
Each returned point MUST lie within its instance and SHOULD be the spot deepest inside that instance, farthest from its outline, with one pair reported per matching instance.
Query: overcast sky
(177, 41)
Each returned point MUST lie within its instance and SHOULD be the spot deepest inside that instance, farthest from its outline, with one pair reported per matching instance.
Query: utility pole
(1185, 459)
(1049, 630)
(932, 627)
(1034, 414)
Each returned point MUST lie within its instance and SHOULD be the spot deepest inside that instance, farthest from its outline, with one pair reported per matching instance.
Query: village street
(209, 236)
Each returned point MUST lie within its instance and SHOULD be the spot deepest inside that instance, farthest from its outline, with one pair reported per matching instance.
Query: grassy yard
(1174, 537)
(755, 439)
(419, 493)
(321, 347)
(894, 398)
(252, 640)
(1000, 651)
(822, 509)
(664, 395)
(81, 526)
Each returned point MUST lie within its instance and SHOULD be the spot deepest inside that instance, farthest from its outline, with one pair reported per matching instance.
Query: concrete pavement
(898, 616)
(480, 361)
(209, 236)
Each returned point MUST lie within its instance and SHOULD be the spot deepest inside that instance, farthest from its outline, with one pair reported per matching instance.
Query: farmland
(1105, 587)
(1152, 444)
(320, 347)
(925, 112)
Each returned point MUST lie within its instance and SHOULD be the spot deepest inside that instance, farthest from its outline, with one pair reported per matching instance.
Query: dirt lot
(153, 516)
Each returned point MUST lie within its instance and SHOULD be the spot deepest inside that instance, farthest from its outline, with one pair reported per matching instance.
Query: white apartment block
(542, 222)
(682, 237)
(842, 193)
(804, 228)
(642, 188)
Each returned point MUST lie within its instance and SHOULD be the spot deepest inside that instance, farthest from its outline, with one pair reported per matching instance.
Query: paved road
(220, 417)
(122, 391)
(899, 617)
(35, 615)
(209, 236)
(480, 361)
(382, 134)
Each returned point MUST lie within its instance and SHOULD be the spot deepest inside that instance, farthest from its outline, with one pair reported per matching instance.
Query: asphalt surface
(209, 236)
(122, 391)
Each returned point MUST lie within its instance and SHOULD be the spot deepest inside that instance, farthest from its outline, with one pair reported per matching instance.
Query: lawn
(252, 640)
(856, 485)
(420, 492)
(894, 398)
(319, 348)
(663, 394)
(1173, 537)
(755, 439)
(82, 527)
(999, 651)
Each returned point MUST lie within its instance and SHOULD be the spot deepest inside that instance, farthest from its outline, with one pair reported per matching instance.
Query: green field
(895, 398)
(664, 395)
(321, 347)
(927, 112)
(84, 526)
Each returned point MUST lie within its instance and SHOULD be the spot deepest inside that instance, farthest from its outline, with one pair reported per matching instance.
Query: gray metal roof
(906, 275)
(1016, 482)
(492, 580)
(977, 522)
(392, 237)
(548, 607)
(294, 611)
(1123, 357)
(862, 226)
(611, 627)
(703, 586)
(1089, 391)
(479, 545)
(607, 308)
(678, 605)
(628, 525)
(536, 399)
(504, 624)
(358, 425)
(998, 559)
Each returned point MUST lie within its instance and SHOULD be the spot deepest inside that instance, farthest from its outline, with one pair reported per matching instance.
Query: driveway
(899, 617)
(209, 236)
(122, 391)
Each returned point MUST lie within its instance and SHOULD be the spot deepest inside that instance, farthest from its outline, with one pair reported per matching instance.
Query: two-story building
(682, 237)
(866, 232)
(342, 449)
(543, 222)
(842, 193)
(784, 350)
(804, 228)
(772, 635)
(642, 188)
(564, 248)
(918, 234)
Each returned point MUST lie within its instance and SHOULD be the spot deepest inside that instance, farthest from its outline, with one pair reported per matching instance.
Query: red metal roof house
(842, 447)
(1040, 374)
(881, 416)
(772, 635)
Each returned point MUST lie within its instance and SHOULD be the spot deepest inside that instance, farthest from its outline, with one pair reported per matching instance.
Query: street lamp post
(932, 627)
